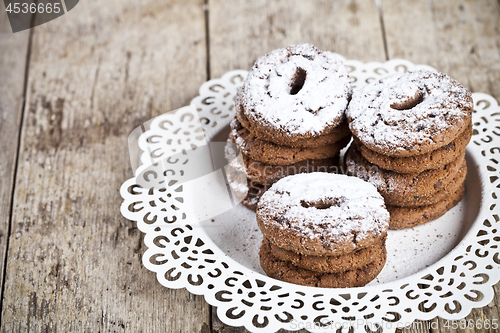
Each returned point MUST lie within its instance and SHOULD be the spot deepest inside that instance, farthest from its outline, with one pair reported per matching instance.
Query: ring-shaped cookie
(294, 94)
(410, 113)
(322, 214)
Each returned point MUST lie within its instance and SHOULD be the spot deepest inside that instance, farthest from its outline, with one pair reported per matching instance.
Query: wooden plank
(12, 73)
(461, 39)
(246, 30)
(74, 263)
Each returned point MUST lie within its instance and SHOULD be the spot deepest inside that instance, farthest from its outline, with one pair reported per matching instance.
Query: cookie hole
(410, 103)
(298, 81)
(324, 203)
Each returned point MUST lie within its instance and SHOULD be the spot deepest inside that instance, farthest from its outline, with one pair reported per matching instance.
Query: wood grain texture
(459, 38)
(462, 39)
(74, 264)
(246, 30)
(12, 73)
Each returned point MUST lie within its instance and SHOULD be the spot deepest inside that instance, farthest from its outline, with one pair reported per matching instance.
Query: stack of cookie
(410, 131)
(290, 116)
(323, 230)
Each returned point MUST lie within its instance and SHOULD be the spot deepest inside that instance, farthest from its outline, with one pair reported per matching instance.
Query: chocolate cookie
(254, 193)
(335, 135)
(295, 93)
(322, 214)
(271, 153)
(269, 174)
(408, 217)
(418, 163)
(417, 201)
(331, 264)
(285, 271)
(410, 113)
(397, 188)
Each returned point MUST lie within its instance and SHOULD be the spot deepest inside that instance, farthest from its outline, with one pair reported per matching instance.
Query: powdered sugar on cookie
(410, 113)
(298, 90)
(325, 206)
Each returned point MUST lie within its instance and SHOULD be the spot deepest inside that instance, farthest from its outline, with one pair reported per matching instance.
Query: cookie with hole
(419, 163)
(411, 189)
(296, 96)
(271, 153)
(322, 214)
(411, 113)
(447, 191)
(286, 271)
(335, 135)
(268, 174)
(409, 217)
(331, 264)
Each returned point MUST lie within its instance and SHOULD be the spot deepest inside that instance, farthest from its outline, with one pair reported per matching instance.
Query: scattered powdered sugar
(299, 90)
(433, 103)
(326, 205)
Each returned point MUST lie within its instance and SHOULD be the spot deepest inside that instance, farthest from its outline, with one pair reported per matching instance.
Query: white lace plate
(198, 239)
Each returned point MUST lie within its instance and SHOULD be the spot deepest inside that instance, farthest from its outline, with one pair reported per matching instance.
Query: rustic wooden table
(74, 88)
